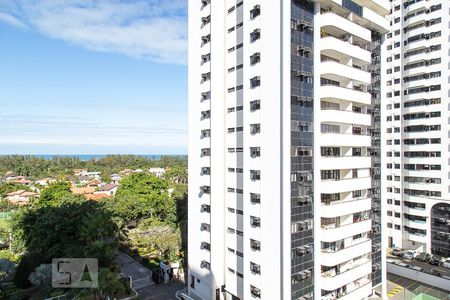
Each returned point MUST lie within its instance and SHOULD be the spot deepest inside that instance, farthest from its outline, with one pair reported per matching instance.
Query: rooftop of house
(22, 193)
(83, 190)
(108, 187)
(96, 197)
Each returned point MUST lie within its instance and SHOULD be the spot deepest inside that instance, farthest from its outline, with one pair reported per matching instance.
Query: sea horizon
(86, 157)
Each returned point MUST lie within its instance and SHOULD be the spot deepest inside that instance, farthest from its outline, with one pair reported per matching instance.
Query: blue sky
(93, 77)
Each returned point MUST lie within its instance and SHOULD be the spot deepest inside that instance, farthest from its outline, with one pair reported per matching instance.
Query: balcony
(417, 224)
(345, 185)
(359, 289)
(340, 208)
(330, 257)
(335, 234)
(340, 48)
(343, 93)
(344, 140)
(342, 279)
(329, 21)
(345, 117)
(340, 72)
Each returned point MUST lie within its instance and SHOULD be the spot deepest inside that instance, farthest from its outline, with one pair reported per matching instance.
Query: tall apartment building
(416, 148)
(284, 148)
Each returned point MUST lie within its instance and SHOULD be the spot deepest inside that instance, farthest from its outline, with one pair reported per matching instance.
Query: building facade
(416, 112)
(284, 149)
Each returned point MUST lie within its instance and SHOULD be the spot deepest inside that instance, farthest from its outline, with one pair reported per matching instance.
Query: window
(255, 35)
(255, 58)
(330, 174)
(330, 151)
(255, 11)
(255, 105)
(255, 81)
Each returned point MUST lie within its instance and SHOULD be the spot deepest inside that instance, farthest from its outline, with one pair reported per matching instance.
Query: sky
(93, 77)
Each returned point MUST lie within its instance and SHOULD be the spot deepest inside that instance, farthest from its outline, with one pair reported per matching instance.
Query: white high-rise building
(284, 149)
(416, 126)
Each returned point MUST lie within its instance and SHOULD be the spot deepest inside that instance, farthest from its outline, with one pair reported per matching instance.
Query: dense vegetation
(62, 167)
(147, 218)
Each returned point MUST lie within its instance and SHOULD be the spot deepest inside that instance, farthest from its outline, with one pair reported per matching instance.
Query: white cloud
(11, 20)
(148, 29)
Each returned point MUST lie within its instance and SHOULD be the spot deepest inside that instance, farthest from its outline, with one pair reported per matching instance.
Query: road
(142, 280)
(142, 277)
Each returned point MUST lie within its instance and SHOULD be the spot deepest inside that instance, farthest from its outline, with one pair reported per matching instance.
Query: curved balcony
(330, 259)
(376, 21)
(361, 290)
(381, 7)
(338, 72)
(341, 208)
(335, 282)
(345, 185)
(329, 21)
(345, 231)
(345, 116)
(343, 93)
(338, 48)
(344, 140)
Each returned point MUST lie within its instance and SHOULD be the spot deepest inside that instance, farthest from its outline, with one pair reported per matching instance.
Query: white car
(446, 264)
(409, 254)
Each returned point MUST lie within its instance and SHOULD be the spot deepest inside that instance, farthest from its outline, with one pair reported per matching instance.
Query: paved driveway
(142, 280)
(142, 277)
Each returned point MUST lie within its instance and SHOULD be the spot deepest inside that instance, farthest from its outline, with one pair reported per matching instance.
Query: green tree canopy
(71, 229)
(148, 194)
(54, 193)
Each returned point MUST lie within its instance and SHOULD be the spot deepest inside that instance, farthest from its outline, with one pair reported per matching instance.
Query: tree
(54, 193)
(177, 175)
(150, 191)
(67, 230)
(156, 239)
(42, 279)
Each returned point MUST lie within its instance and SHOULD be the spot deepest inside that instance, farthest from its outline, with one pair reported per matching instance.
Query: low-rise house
(45, 181)
(22, 180)
(94, 183)
(116, 178)
(83, 190)
(91, 175)
(83, 179)
(95, 197)
(158, 172)
(21, 197)
(77, 172)
(126, 172)
(108, 189)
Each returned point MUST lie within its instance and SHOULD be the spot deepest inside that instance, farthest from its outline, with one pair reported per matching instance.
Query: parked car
(446, 264)
(397, 252)
(409, 254)
(425, 257)
(436, 260)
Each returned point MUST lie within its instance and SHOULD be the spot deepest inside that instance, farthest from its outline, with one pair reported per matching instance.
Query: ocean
(86, 157)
